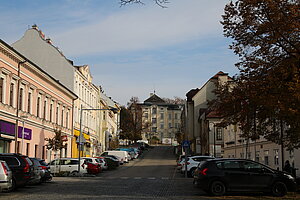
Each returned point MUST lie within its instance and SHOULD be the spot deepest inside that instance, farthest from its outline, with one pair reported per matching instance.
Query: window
(219, 134)
(27, 149)
(29, 102)
(162, 126)
(146, 115)
(45, 109)
(154, 129)
(161, 115)
(35, 151)
(170, 125)
(232, 165)
(276, 157)
(38, 106)
(153, 120)
(266, 158)
(257, 156)
(1, 89)
(43, 152)
(251, 166)
(11, 94)
(153, 110)
(19, 147)
(176, 116)
(67, 119)
(56, 118)
(62, 117)
(21, 98)
(51, 110)
(170, 116)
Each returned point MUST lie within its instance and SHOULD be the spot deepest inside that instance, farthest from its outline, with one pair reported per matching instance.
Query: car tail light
(203, 171)
(178, 164)
(187, 163)
(27, 167)
(43, 167)
(5, 169)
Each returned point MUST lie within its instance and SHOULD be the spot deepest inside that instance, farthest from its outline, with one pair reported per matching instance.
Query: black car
(219, 176)
(21, 167)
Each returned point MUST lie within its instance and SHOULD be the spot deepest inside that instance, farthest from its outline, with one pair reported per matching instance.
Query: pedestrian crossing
(135, 178)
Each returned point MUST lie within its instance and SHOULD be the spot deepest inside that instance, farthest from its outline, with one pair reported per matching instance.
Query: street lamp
(80, 133)
(23, 123)
(18, 102)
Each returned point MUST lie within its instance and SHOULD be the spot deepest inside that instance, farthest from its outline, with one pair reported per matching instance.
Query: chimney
(34, 26)
(48, 40)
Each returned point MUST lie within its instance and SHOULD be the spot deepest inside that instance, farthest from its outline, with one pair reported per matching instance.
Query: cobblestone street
(151, 177)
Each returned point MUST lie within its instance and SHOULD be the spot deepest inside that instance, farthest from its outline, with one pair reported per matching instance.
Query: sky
(132, 50)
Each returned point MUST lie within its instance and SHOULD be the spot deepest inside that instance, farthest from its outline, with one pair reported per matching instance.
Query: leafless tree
(161, 3)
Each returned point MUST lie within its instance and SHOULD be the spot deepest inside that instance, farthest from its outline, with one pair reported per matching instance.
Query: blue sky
(133, 49)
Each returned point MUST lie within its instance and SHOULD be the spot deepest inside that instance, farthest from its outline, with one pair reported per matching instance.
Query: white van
(67, 165)
(123, 155)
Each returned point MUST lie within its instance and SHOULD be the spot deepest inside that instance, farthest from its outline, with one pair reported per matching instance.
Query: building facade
(202, 130)
(33, 105)
(161, 120)
(88, 98)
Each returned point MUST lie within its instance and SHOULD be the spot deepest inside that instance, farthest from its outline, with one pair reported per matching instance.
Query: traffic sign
(81, 139)
(186, 143)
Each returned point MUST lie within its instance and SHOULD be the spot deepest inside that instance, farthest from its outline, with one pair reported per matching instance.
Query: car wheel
(217, 188)
(14, 185)
(74, 173)
(279, 189)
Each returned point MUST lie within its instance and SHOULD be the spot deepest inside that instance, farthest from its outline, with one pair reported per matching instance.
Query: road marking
(151, 178)
(124, 177)
(137, 178)
(165, 178)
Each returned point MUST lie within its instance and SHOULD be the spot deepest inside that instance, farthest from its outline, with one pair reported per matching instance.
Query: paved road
(151, 177)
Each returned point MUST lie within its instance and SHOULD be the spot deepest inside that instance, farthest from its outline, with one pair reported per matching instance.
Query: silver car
(5, 177)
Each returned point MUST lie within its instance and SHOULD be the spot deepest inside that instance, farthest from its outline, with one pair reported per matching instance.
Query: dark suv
(21, 167)
(219, 176)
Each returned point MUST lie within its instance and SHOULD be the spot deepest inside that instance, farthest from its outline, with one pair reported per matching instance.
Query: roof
(154, 99)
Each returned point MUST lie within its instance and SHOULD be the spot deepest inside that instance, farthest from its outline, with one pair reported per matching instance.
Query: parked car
(102, 162)
(5, 177)
(68, 165)
(43, 165)
(112, 162)
(21, 167)
(93, 165)
(123, 155)
(38, 172)
(219, 176)
(42, 171)
(192, 163)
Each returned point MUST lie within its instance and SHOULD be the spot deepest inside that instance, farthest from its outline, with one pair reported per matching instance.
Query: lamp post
(80, 133)
(18, 100)
(23, 124)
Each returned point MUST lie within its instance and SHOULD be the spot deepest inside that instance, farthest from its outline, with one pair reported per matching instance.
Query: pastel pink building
(32, 105)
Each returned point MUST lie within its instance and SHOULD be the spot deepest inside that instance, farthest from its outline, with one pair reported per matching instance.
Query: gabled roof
(154, 99)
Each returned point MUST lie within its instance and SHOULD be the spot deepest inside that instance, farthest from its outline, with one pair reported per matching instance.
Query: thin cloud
(144, 28)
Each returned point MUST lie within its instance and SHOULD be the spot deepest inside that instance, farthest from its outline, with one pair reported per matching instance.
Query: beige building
(207, 138)
(202, 130)
(164, 119)
(88, 99)
(110, 121)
